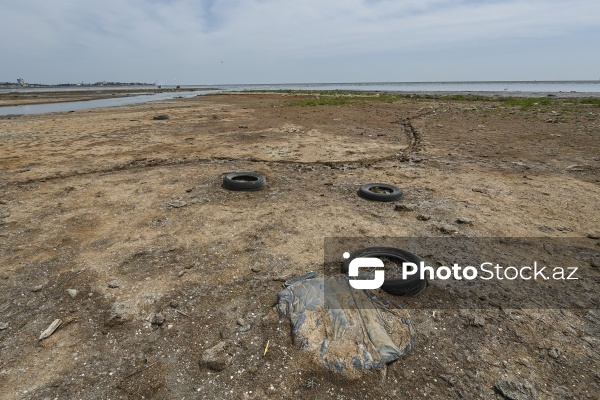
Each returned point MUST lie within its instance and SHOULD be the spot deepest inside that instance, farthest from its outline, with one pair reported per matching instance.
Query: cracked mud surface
(131, 214)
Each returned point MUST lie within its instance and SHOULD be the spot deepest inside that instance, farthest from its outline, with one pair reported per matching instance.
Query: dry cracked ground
(165, 282)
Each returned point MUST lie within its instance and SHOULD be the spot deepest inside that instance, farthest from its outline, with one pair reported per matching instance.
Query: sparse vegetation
(337, 97)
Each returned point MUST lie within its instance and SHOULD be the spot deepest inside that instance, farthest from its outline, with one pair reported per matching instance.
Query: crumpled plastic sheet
(345, 328)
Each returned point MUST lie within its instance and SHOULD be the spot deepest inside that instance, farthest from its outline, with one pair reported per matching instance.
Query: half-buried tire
(380, 192)
(243, 181)
(392, 260)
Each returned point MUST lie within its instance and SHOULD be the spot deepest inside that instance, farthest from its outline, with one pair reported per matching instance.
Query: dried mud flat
(117, 224)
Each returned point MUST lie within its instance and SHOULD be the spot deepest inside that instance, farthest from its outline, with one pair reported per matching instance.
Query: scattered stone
(516, 391)
(545, 229)
(243, 126)
(117, 315)
(157, 319)
(37, 288)
(449, 229)
(181, 273)
(72, 293)
(576, 167)
(240, 322)
(255, 269)
(595, 262)
(450, 379)
(176, 204)
(478, 321)
(174, 304)
(245, 328)
(50, 329)
(114, 284)
(464, 221)
(3, 326)
(404, 207)
(593, 235)
(554, 352)
(479, 190)
(217, 358)
(423, 217)
(4, 214)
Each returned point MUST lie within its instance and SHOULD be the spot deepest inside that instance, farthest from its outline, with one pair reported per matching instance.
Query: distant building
(21, 82)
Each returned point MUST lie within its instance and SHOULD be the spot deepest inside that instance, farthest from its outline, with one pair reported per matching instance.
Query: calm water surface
(592, 87)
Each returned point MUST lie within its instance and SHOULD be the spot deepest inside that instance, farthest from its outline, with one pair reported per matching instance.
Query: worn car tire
(411, 286)
(243, 181)
(390, 192)
(160, 117)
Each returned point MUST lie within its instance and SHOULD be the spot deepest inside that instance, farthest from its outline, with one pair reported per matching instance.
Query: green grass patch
(332, 98)
(340, 97)
(590, 101)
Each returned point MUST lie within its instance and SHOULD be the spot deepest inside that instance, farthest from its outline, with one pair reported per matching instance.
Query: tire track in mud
(413, 136)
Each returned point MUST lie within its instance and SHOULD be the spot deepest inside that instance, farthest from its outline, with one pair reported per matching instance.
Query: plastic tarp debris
(345, 328)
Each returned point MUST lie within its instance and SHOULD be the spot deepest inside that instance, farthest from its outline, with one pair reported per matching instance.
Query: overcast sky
(296, 41)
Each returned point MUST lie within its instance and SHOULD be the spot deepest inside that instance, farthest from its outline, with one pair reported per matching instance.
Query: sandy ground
(129, 212)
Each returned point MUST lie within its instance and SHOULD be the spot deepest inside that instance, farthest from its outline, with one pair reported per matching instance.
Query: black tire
(383, 192)
(243, 181)
(160, 117)
(411, 286)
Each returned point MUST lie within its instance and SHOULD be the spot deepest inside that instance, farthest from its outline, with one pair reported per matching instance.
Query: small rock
(464, 221)
(516, 391)
(117, 315)
(243, 126)
(545, 229)
(595, 262)
(3, 326)
(240, 322)
(449, 229)
(450, 379)
(4, 214)
(593, 235)
(217, 358)
(404, 207)
(37, 288)
(72, 293)
(157, 319)
(49, 331)
(423, 217)
(255, 269)
(479, 190)
(245, 328)
(114, 284)
(181, 273)
(174, 304)
(554, 352)
(478, 321)
(176, 204)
